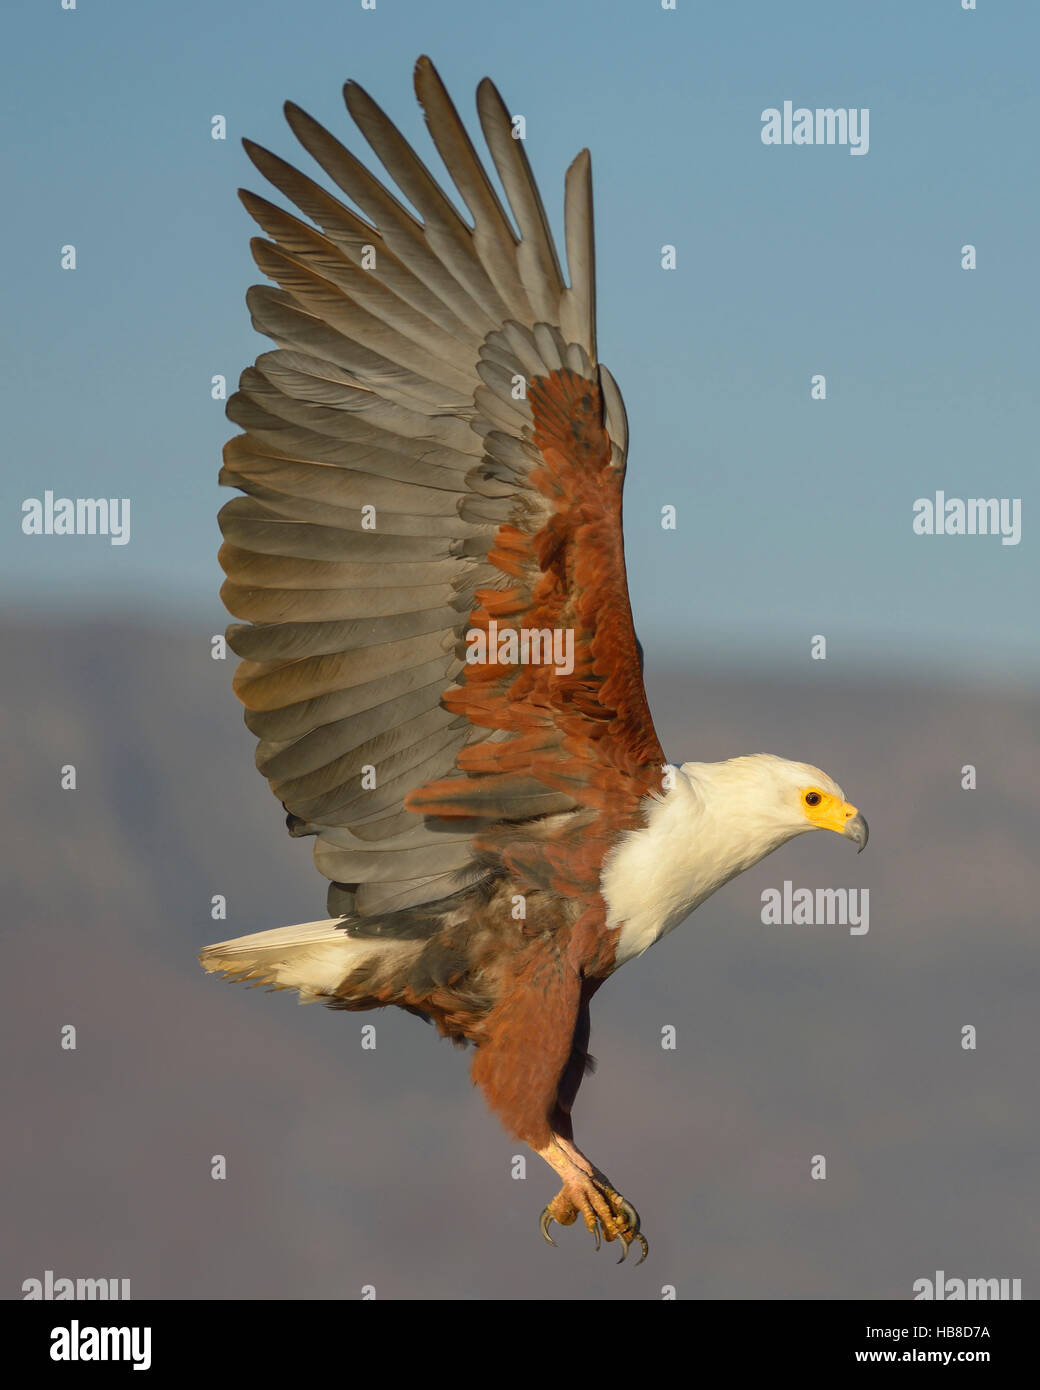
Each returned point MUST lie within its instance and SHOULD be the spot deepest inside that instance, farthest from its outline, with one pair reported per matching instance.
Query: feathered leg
(530, 1060)
(586, 1191)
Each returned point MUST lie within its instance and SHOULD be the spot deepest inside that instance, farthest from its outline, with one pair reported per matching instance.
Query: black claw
(543, 1225)
(632, 1232)
(631, 1218)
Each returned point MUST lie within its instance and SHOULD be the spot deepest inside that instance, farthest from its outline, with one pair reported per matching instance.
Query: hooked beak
(858, 831)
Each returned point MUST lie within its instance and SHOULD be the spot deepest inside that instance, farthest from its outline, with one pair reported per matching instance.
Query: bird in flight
(437, 650)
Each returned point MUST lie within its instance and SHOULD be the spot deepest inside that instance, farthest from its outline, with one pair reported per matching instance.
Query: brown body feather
(512, 988)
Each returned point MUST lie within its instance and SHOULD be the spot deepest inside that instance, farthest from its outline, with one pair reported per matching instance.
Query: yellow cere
(826, 811)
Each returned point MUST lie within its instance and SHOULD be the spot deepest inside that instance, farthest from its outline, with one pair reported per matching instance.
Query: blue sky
(794, 516)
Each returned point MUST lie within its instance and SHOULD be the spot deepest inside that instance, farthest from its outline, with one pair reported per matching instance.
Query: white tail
(313, 957)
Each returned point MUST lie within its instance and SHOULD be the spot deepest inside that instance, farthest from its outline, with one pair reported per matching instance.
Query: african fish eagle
(434, 451)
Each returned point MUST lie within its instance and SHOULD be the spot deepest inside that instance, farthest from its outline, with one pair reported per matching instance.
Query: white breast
(697, 837)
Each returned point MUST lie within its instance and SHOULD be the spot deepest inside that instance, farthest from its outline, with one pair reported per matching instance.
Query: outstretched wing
(433, 460)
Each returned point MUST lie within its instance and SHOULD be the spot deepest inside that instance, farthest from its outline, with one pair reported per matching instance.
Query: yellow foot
(604, 1210)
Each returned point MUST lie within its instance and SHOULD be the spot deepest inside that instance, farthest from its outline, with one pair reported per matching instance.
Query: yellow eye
(813, 798)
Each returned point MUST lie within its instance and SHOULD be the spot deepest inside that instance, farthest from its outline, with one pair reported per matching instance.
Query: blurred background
(348, 1167)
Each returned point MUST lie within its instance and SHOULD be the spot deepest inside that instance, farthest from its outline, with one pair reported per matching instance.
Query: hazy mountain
(349, 1168)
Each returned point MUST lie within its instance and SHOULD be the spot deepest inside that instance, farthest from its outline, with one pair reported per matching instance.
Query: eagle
(438, 657)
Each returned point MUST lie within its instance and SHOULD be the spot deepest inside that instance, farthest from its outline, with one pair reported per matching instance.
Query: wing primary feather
(536, 254)
(578, 306)
(443, 228)
(402, 232)
(493, 235)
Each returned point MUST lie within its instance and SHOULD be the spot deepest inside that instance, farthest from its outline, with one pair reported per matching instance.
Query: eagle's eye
(813, 798)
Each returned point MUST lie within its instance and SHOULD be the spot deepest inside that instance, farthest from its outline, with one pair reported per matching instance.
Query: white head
(709, 822)
(770, 800)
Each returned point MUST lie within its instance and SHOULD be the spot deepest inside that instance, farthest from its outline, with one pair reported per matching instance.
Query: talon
(607, 1215)
(545, 1223)
(630, 1214)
